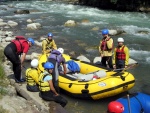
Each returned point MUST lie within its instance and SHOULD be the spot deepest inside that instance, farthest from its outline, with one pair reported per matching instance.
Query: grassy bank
(3, 83)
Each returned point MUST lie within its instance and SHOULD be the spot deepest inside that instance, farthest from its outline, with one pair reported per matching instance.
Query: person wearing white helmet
(32, 76)
(121, 55)
(61, 50)
(57, 59)
(48, 44)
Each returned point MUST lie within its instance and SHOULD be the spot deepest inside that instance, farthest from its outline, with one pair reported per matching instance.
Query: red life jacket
(104, 46)
(18, 42)
(120, 54)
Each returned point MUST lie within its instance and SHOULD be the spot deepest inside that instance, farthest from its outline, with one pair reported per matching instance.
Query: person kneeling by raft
(47, 90)
(32, 76)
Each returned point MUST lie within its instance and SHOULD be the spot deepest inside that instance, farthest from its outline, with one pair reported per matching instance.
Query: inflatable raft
(137, 103)
(93, 81)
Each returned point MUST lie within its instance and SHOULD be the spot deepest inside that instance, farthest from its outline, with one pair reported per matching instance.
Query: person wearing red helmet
(105, 48)
(18, 47)
(115, 107)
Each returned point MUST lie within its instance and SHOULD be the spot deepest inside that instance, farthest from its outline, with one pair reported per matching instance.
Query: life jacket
(43, 85)
(18, 42)
(57, 56)
(104, 46)
(29, 76)
(49, 44)
(120, 54)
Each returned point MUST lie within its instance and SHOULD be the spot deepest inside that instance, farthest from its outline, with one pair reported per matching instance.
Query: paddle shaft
(129, 106)
(128, 67)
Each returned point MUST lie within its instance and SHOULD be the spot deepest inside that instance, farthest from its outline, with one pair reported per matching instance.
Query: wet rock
(33, 26)
(9, 39)
(19, 11)
(143, 32)
(29, 20)
(95, 29)
(3, 23)
(85, 21)
(115, 32)
(12, 23)
(83, 58)
(70, 23)
(1, 20)
(144, 9)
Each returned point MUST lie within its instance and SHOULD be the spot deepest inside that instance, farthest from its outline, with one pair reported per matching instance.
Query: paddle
(124, 69)
(130, 66)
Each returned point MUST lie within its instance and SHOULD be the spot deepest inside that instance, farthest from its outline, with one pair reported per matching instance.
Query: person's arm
(65, 68)
(109, 43)
(54, 45)
(52, 87)
(23, 56)
(100, 51)
(126, 50)
(114, 59)
(44, 47)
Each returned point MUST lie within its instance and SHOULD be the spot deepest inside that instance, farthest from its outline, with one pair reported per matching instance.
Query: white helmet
(34, 63)
(61, 50)
(120, 39)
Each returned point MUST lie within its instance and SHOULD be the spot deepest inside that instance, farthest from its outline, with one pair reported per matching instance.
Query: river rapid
(83, 40)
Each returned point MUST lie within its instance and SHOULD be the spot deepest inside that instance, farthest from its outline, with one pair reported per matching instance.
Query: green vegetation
(3, 82)
(3, 78)
(2, 110)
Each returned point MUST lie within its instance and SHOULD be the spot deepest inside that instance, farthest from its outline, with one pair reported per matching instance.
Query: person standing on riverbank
(105, 49)
(121, 55)
(32, 76)
(47, 90)
(48, 44)
(18, 47)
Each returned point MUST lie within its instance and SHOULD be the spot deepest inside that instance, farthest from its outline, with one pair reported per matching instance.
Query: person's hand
(21, 66)
(126, 66)
(102, 55)
(57, 94)
(114, 66)
(65, 72)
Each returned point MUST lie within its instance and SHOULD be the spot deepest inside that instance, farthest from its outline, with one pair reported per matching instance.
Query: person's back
(32, 76)
(56, 58)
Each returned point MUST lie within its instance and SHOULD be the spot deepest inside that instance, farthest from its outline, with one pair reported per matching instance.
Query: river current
(83, 40)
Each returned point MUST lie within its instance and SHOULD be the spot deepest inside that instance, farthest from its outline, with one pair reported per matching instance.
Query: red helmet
(115, 107)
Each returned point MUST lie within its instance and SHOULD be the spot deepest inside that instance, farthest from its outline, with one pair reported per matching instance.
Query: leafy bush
(3, 78)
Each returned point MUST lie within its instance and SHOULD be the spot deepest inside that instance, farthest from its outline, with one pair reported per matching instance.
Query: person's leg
(109, 60)
(62, 101)
(32, 88)
(15, 60)
(103, 61)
